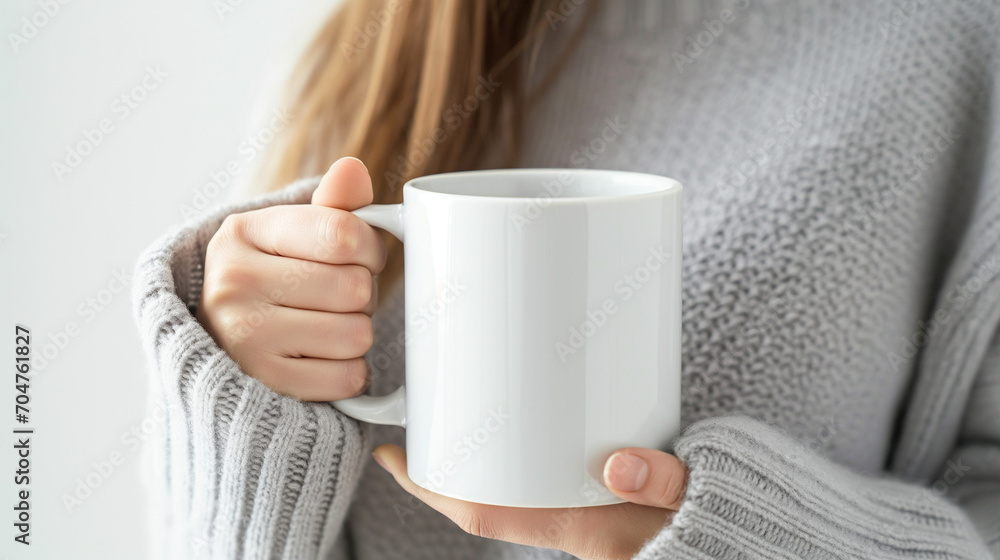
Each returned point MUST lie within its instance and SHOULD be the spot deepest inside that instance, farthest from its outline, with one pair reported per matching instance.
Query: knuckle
(226, 321)
(362, 332)
(227, 282)
(671, 491)
(373, 299)
(357, 286)
(233, 227)
(224, 239)
(357, 375)
(383, 254)
(342, 232)
(242, 328)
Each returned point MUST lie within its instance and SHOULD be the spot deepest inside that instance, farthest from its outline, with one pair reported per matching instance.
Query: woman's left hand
(652, 481)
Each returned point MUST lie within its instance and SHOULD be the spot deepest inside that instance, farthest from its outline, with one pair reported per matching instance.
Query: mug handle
(389, 409)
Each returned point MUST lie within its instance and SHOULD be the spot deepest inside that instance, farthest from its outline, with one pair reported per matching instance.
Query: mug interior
(550, 183)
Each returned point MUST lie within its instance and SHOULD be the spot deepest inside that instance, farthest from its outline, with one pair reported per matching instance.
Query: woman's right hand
(289, 289)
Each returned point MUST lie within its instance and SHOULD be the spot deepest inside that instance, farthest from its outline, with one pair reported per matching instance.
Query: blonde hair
(413, 87)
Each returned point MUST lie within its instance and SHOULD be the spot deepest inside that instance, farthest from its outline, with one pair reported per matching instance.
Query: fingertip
(391, 457)
(349, 161)
(347, 185)
(646, 476)
(351, 158)
(380, 461)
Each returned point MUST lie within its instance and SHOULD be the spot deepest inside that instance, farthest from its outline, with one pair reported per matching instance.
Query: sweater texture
(841, 300)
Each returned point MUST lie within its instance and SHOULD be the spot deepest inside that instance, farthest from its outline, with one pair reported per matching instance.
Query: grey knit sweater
(841, 357)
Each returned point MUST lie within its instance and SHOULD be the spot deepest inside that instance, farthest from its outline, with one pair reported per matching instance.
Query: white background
(61, 241)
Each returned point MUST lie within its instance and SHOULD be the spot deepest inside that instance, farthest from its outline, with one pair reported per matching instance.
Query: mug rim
(666, 186)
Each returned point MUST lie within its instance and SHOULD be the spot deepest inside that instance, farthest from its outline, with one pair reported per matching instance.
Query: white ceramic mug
(542, 330)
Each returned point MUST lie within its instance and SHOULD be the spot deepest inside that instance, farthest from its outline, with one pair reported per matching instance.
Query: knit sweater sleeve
(754, 492)
(240, 472)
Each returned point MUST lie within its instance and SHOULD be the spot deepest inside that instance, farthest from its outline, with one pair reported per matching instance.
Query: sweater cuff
(241, 471)
(754, 492)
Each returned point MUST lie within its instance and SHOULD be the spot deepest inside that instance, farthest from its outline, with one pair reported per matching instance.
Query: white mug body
(542, 330)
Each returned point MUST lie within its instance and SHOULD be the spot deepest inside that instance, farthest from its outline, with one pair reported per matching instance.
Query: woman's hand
(652, 481)
(289, 290)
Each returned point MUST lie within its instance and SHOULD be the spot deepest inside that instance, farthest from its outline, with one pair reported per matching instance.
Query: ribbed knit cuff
(242, 472)
(753, 492)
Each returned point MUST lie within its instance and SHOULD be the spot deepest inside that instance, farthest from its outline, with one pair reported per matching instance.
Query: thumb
(646, 476)
(347, 186)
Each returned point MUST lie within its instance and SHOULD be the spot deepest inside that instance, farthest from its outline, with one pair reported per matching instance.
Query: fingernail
(626, 472)
(380, 462)
(357, 160)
